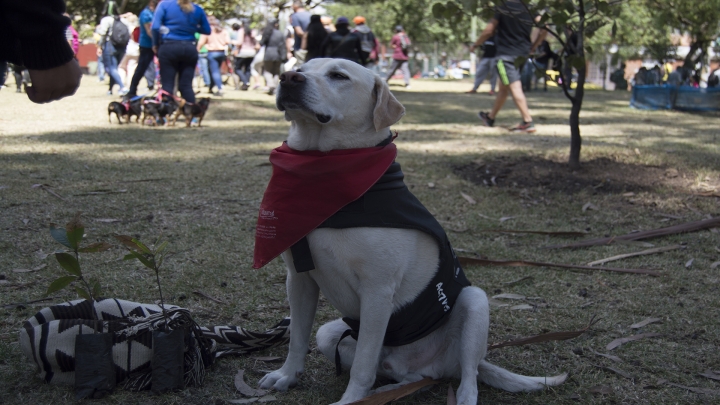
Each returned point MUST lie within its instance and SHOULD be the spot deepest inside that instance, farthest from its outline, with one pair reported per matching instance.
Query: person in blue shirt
(173, 37)
(146, 53)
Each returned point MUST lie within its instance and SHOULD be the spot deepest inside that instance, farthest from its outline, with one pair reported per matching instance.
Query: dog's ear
(387, 109)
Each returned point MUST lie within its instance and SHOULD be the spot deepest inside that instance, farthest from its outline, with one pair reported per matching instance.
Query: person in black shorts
(512, 27)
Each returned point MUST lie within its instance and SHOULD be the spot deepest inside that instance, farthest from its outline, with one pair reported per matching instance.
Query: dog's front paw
(280, 380)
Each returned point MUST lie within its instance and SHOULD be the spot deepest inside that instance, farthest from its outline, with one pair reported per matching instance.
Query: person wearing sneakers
(486, 66)
(512, 27)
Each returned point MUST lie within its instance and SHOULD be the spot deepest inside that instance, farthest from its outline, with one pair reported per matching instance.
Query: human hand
(98, 52)
(155, 50)
(54, 84)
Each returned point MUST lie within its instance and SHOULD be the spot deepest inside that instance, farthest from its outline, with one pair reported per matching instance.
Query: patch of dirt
(601, 175)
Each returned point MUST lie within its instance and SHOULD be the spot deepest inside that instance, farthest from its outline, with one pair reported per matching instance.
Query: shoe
(528, 127)
(124, 91)
(219, 93)
(489, 122)
(491, 92)
(109, 93)
(407, 87)
(271, 91)
(244, 87)
(151, 88)
(471, 92)
(194, 120)
(18, 90)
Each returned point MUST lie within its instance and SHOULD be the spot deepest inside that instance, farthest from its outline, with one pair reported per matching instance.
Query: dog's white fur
(368, 273)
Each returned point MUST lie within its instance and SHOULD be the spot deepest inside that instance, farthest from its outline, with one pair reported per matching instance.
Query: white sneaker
(407, 87)
(124, 91)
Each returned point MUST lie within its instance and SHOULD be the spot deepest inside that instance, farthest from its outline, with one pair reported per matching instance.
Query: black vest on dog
(389, 204)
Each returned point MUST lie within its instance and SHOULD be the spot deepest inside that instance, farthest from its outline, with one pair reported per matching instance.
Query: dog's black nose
(291, 78)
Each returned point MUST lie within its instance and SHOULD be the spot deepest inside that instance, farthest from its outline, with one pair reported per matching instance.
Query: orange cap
(359, 20)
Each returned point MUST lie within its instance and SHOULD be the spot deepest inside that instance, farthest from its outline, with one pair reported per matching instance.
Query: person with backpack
(401, 46)
(275, 54)
(314, 38)
(173, 33)
(147, 56)
(114, 37)
(343, 44)
(368, 43)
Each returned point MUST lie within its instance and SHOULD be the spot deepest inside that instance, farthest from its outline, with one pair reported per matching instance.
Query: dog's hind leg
(328, 337)
(471, 314)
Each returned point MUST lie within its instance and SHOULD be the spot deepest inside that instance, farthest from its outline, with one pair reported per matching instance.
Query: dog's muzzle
(290, 94)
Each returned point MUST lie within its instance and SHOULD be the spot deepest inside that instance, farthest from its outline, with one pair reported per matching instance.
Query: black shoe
(151, 88)
(489, 122)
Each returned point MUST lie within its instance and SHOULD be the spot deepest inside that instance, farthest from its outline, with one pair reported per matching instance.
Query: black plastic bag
(94, 367)
(168, 357)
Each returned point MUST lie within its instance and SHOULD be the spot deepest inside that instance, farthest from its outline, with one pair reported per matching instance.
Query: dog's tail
(498, 377)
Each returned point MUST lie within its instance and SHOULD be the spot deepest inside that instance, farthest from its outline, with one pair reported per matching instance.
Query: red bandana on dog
(308, 187)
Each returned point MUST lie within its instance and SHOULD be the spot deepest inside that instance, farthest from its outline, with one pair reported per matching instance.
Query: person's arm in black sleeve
(358, 48)
(324, 46)
(33, 33)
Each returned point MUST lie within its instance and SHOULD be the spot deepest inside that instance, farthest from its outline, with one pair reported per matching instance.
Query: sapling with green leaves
(150, 258)
(71, 237)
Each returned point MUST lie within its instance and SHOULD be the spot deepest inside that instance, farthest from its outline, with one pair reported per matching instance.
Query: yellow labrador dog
(369, 274)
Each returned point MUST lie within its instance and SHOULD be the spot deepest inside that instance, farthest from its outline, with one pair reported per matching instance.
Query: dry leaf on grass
(697, 390)
(709, 374)
(714, 265)
(431, 185)
(451, 399)
(267, 359)
(645, 323)
(107, 220)
(551, 233)
(267, 398)
(508, 296)
(503, 219)
(40, 267)
(245, 389)
(601, 390)
(608, 356)
(545, 337)
(47, 188)
(616, 371)
(382, 398)
(468, 198)
(242, 401)
(522, 307)
(524, 263)
(689, 263)
(589, 206)
(653, 233)
(618, 342)
(202, 294)
(643, 253)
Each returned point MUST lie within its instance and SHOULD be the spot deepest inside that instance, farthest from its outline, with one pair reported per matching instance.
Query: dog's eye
(339, 76)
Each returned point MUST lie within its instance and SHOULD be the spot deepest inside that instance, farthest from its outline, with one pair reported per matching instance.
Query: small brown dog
(190, 110)
(126, 109)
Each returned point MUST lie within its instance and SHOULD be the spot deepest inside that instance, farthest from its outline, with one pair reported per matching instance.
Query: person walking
(343, 44)
(542, 61)
(216, 43)
(175, 46)
(72, 36)
(299, 20)
(314, 38)
(401, 46)
(113, 48)
(486, 66)
(145, 60)
(247, 49)
(512, 27)
(369, 45)
(275, 53)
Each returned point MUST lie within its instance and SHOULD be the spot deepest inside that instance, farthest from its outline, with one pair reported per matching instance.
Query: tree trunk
(575, 139)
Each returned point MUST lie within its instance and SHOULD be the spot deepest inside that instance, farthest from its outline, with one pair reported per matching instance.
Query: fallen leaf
(25, 221)
(107, 220)
(630, 194)
(431, 185)
(645, 322)
(267, 398)
(601, 390)
(709, 374)
(589, 206)
(503, 219)
(468, 198)
(246, 389)
(242, 401)
(618, 342)
(267, 359)
(616, 371)
(451, 399)
(689, 263)
(382, 398)
(2, 282)
(608, 356)
(522, 307)
(40, 267)
(574, 396)
(508, 296)
(707, 391)
(643, 253)
(714, 265)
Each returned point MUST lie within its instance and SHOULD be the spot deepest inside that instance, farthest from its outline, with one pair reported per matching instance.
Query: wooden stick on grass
(643, 253)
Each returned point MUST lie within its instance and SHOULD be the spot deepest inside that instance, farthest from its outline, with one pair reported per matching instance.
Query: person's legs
(493, 75)
(18, 74)
(405, 67)
(214, 60)
(500, 99)
(150, 74)
(100, 69)
(144, 61)
(393, 67)
(245, 68)
(520, 100)
(186, 71)
(483, 68)
(168, 59)
(110, 58)
(3, 73)
(204, 68)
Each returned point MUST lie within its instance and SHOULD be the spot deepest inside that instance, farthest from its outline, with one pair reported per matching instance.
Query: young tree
(570, 22)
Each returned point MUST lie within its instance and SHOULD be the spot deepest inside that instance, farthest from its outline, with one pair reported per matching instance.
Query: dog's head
(336, 104)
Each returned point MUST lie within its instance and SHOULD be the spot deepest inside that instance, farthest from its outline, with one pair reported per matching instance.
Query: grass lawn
(200, 188)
